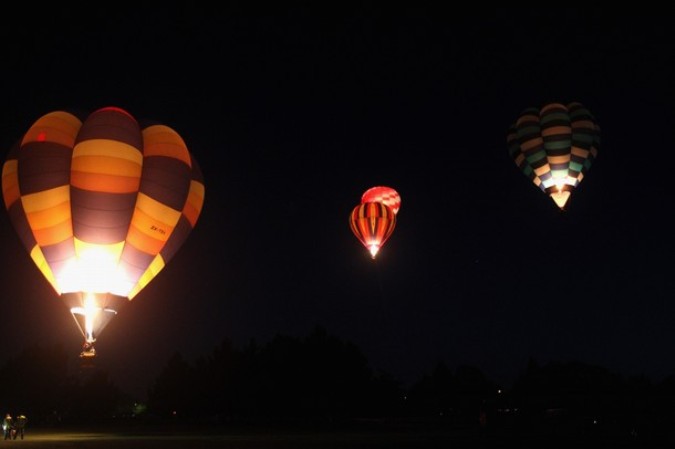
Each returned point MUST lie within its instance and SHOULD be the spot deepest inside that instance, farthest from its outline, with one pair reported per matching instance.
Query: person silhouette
(20, 426)
(8, 426)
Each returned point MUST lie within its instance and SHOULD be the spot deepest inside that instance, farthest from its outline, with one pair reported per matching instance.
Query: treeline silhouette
(321, 379)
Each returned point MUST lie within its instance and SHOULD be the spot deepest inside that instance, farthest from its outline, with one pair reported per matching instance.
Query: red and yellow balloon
(101, 205)
(373, 221)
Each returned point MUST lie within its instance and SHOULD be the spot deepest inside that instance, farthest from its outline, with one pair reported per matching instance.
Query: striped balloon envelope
(101, 205)
(383, 194)
(372, 223)
(555, 147)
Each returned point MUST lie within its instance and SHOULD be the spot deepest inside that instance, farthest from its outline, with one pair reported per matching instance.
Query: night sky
(294, 111)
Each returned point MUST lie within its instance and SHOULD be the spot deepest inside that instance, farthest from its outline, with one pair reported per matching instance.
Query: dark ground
(266, 438)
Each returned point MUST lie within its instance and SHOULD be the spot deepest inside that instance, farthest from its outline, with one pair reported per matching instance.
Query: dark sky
(293, 111)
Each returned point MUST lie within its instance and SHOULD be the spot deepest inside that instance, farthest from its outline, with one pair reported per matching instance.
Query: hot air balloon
(101, 205)
(372, 223)
(383, 194)
(554, 147)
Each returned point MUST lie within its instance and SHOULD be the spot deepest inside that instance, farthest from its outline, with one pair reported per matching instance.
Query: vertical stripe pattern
(372, 223)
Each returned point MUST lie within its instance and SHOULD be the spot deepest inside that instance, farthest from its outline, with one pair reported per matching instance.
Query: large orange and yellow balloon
(554, 147)
(101, 205)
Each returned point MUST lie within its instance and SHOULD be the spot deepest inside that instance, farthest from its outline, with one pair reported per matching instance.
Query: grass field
(137, 438)
(169, 438)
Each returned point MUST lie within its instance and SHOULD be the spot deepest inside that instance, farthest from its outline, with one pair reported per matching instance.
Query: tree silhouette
(36, 381)
(173, 391)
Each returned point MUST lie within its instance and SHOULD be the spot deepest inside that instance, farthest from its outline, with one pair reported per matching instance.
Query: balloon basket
(88, 352)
